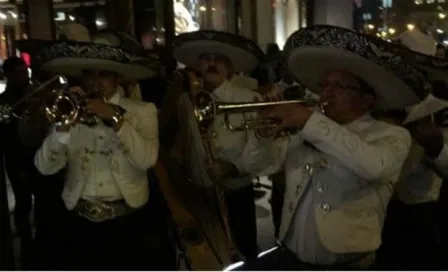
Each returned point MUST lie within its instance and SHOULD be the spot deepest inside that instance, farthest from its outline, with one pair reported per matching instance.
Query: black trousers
(133, 242)
(277, 200)
(410, 238)
(242, 220)
(442, 223)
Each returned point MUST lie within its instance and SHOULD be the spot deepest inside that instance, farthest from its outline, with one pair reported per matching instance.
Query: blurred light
(442, 15)
(261, 254)
(62, 80)
(99, 23)
(71, 17)
(370, 26)
(378, 34)
(233, 266)
(13, 14)
(26, 58)
(410, 26)
(383, 34)
(2, 86)
(439, 31)
(445, 42)
(2, 15)
(392, 30)
(202, 8)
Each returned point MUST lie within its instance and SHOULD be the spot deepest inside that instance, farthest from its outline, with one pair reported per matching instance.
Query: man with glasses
(341, 166)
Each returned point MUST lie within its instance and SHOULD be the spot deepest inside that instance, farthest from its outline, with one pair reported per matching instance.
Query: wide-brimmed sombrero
(244, 53)
(312, 52)
(115, 52)
(434, 68)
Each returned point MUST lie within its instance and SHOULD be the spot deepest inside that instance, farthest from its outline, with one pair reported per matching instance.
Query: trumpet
(61, 107)
(207, 108)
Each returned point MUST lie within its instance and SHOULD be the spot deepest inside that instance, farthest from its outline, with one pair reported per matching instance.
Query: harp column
(39, 19)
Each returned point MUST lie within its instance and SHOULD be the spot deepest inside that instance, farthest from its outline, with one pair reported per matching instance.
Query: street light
(410, 26)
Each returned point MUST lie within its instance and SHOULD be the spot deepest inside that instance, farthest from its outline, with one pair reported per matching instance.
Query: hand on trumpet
(289, 116)
(219, 170)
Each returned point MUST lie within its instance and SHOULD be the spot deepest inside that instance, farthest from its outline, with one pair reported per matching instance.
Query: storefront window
(192, 15)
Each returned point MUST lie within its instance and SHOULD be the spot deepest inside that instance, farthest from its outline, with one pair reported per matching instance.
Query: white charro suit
(121, 159)
(337, 191)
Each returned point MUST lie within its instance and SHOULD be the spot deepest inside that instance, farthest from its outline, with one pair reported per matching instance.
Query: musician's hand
(289, 115)
(427, 135)
(100, 108)
(271, 96)
(220, 170)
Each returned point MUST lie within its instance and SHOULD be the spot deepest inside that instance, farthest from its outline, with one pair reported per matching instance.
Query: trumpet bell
(62, 108)
(205, 110)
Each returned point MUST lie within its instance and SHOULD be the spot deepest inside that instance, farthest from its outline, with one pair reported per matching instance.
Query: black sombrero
(115, 52)
(313, 51)
(244, 53)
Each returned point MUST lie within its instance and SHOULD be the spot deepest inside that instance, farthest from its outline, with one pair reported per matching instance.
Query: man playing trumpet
(217, 56)
(342, 165)
(106, 188)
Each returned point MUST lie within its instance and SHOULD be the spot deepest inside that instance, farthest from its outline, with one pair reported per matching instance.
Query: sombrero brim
(310, 64)
(189, 53)
(75, 66)
(435, 68)
(314, 51)
(71, 58)
(244, 53)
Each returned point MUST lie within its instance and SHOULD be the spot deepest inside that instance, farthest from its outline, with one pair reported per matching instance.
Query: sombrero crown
(115, 52)
(244, 53)
(311, 52)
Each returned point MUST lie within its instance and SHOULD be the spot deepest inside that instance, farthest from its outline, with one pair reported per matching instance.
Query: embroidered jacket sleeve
(139, 136)
(52, 155)
(377, 159)
(266, 156)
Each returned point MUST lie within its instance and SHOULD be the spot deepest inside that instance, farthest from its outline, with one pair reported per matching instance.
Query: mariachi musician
(216, 56)
(341, 166)
(107, 157)
(411, 233)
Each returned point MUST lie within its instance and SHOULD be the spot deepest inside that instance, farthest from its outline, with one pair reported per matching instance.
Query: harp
(196, 204)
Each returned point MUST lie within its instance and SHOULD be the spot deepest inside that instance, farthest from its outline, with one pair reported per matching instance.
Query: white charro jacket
(128, 153)
(352, 168)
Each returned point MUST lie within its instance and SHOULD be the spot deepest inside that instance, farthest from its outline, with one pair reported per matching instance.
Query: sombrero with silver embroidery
(434, 68)
(312, 52)
(244, 53)
(115, 52)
